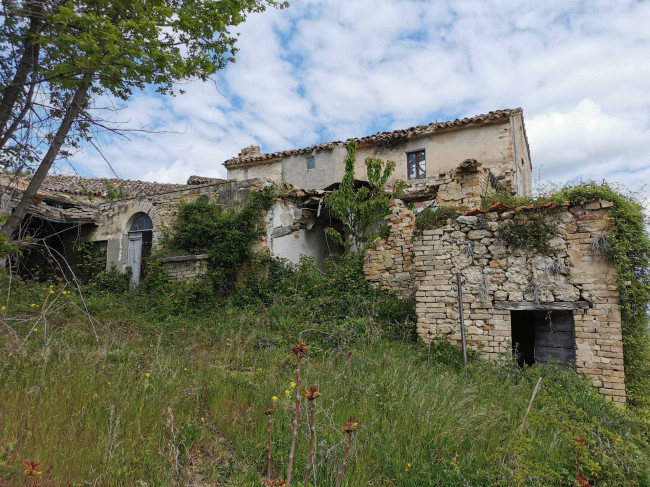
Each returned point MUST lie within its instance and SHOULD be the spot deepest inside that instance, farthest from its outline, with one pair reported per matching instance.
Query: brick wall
(497, 278)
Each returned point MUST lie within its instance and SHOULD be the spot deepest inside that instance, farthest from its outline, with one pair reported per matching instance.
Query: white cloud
(327, 70)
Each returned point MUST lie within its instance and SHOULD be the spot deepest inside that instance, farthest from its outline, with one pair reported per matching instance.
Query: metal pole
(462, 320)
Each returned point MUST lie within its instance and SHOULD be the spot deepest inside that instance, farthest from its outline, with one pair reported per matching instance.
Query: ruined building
(559, 304)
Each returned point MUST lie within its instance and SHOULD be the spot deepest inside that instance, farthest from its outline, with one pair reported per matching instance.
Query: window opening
(311, 162)
(416, 165)
(542, 337)
(141, 224)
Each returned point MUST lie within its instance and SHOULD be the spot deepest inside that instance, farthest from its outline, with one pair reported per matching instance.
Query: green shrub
(507, 198)
(432, 218)
(203, 227)
(528, 230)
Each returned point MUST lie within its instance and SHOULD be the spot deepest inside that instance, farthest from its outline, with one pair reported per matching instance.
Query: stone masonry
(498, 279)
(184, 267)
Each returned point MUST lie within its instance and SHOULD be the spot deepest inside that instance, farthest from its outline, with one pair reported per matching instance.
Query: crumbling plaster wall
(293, 232)
(493, 145)
(497, 279)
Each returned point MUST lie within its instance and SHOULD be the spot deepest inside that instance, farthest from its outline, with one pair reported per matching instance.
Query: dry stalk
(269, 413)
(350, 426)
(298, 351)
(532, 398)
(310, 396)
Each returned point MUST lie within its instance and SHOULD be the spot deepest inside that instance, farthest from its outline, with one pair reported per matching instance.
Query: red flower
(31, 471)
(299, 349)
(313, 394)
(274, 483)
(351, 425)
(581, 481)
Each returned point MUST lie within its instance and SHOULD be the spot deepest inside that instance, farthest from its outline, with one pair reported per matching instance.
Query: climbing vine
(628, 248)
(226, 235)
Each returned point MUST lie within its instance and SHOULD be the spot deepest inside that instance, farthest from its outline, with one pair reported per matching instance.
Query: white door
(134, 256)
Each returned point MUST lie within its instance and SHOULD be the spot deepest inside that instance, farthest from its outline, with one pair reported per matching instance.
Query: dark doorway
(542, 337)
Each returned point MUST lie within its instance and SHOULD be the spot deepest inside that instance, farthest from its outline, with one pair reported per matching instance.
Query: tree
(359, 208)
(59, 57)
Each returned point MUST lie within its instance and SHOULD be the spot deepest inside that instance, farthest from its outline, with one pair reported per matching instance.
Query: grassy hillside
(172, 391)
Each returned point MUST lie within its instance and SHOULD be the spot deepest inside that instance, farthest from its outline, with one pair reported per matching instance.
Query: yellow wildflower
(147, 374)
(292, 384)
(287, 392)
(185, 369)
(35, 329)
(109, 383)
(202, 420)
(274, 398)
(4, 308)
(51, 291)
(32, 305)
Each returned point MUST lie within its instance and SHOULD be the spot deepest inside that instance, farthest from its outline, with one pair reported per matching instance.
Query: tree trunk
(71, 114)
(11, 92)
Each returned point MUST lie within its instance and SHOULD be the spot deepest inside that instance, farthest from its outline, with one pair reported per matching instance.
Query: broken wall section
(573, 277)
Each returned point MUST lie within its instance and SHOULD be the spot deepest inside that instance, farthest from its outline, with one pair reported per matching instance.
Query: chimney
(251, 151)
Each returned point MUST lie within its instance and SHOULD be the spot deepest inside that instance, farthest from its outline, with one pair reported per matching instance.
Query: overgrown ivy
(226, 235)
(628, 248)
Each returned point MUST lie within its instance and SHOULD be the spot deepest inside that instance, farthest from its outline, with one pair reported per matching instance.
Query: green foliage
(90, 270)
(507, 198)
(432, 218)
(628, 248)
(88, 263)
(360, 208)
(340, 305)
(528, 230)
(114, 192)
(202, 227)
(111, 281)
(67, 54)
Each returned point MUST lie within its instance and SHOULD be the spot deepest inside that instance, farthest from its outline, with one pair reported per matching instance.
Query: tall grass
(180, 400)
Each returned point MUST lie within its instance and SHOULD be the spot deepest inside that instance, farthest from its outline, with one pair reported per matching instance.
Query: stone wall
(183, 267)
(498, 279)
(389, 263)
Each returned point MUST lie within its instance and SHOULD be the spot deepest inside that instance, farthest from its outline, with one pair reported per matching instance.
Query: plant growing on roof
(360, 208)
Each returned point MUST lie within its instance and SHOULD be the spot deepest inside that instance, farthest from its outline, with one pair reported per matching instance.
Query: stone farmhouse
(560, 305)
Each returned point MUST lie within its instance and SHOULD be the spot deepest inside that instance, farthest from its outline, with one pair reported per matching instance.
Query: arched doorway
(138, 246)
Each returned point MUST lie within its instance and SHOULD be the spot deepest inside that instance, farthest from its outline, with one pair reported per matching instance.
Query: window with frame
(311, 162)
(416, 165)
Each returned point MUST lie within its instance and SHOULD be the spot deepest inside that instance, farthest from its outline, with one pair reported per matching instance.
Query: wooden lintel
(425, 194)
(532, 306)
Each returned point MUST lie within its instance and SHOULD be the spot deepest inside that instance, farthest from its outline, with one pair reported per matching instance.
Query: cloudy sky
(330, 69)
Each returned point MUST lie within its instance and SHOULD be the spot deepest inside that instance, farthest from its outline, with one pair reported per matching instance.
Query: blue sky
(329, 70)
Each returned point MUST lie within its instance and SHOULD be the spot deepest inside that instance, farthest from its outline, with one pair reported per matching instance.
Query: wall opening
(139, 241)
(542, 337)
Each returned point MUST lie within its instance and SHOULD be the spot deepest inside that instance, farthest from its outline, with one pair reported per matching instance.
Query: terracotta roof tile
(103, 187)
(380, 137)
